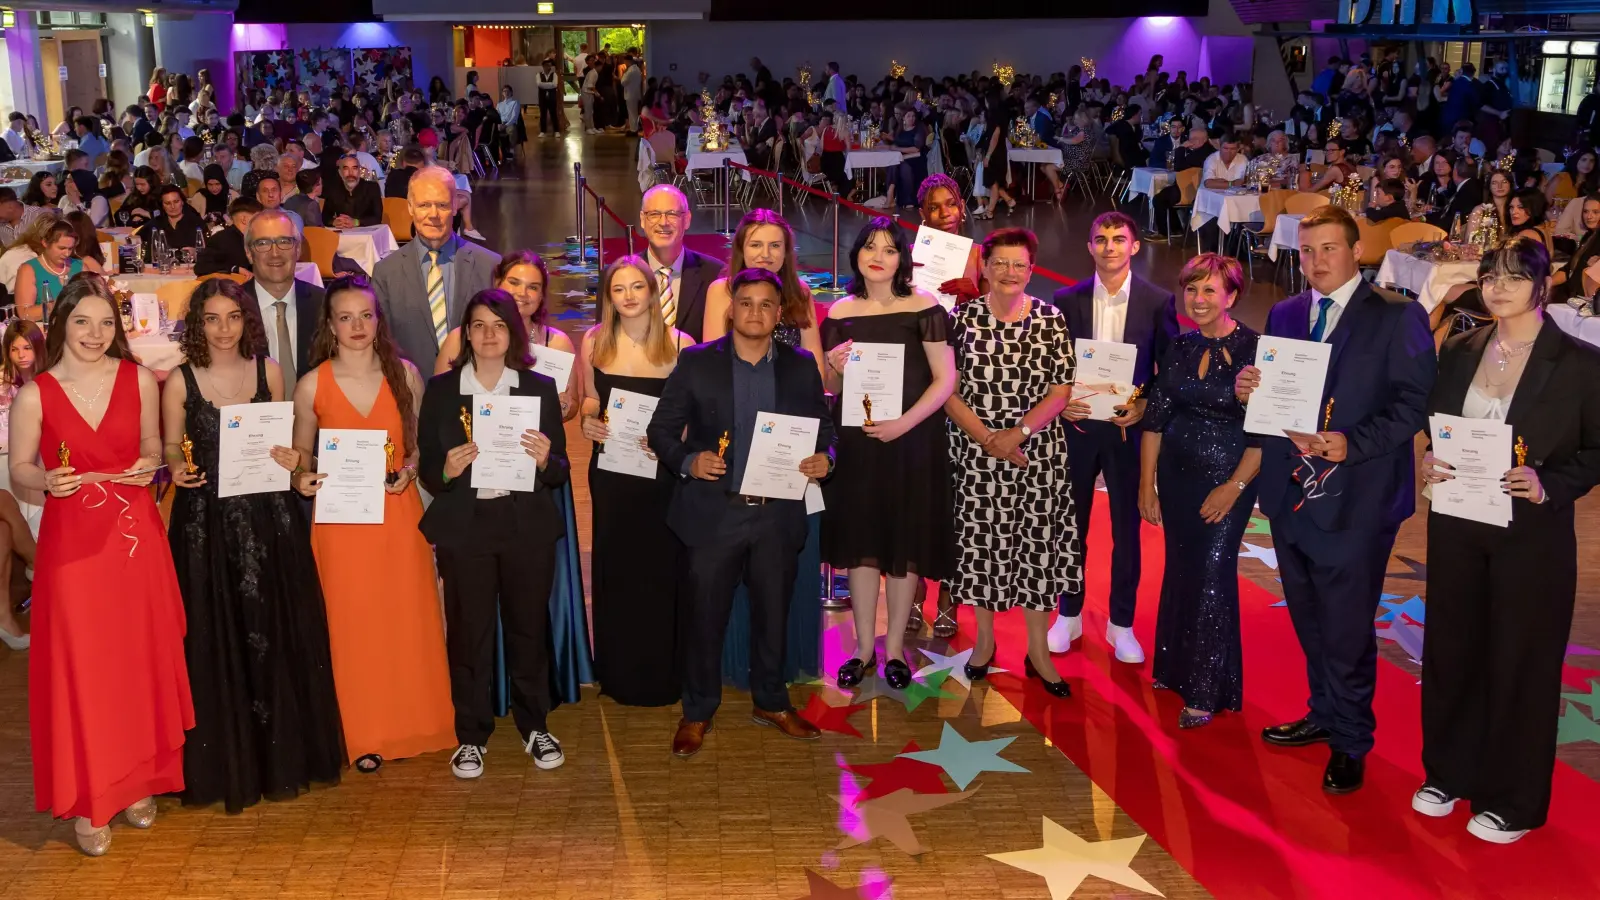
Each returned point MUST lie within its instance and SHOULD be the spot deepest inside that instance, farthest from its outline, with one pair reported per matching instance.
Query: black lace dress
(265, 708)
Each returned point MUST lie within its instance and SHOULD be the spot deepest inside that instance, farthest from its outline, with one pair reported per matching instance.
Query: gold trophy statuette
(722, 446)
(188, 455)
(63, 455)
(866, 407)
(466, 423)
(391, 476)
(1327, 415)
(1520, 448)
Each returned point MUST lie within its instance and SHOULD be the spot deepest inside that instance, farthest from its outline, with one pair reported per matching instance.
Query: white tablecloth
(1230, 207)
(18, 186)
(365, 246)
(148, 282)
(703, 159)
(34, 166)
(1429, 280)
(1048, 155)
(1584, 328)
(157, 352)
(1148, 181)
(1285, 235)
(870, 159)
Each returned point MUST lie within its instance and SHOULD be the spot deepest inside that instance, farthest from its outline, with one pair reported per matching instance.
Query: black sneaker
(546, 753)
(467, 761)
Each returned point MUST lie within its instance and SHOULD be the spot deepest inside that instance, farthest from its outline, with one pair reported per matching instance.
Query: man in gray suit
(423, 286)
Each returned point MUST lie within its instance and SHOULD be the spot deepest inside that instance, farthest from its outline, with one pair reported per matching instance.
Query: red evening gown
(108, 691)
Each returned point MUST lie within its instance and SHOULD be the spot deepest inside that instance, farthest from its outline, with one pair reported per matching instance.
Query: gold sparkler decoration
(1118, 113)
(712, 138)
(1005, 74)
(1348, 196)
(1489, 230)
(1087, 64)
(1334, 128)
(1023, 135)
(896, 70)
(1508, 162)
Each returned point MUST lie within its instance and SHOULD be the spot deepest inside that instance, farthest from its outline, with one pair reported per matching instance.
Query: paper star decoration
(956, 663)
(1258, 525)
(1413, 608)
(1591, 699)
(1581, 650)
(874, 686)
(997, 710)
(1576, 676)
(1574, 726)
(926, 689)
(886, 817)
(1066, 860)
(897, 774)
(962, 759)
(820, 888)
(831, 718)
(1419, 571)
(1265, 554)
(574, 293)
(1406, 634)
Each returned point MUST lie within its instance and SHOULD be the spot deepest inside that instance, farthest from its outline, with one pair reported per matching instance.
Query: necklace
(89, 402)
(52, 269)
(1506, 355)
(211, 379)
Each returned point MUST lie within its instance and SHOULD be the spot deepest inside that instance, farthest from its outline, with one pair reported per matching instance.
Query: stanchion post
(577, 219)
(835, 284)
(600, 233)
(631, 250)
(727, 195)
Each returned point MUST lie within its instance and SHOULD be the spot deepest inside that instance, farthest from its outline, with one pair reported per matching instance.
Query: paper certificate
(875, 372)
(353, 460)
(249, 432)
(498, 422)
(1104, 375)
(1480, 451)
(555, 363)
(939, 257)
(777, 448)
(1290, 396)
(627, 416)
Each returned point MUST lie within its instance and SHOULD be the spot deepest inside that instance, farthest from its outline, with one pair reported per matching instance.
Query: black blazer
(398, 181)
(699, 270)
(364, 204)
(698, 396)
(307, 315)
(224, 252)
(1380, 372)
(446, 521)
(1151, 325)
(1556, 411)
(1467, 197)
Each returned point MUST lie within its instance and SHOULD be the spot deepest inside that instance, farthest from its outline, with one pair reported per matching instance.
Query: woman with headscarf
(212, 200)
(82, 194)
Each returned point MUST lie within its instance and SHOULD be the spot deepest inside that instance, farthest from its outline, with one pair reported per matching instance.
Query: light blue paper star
(956, 663)
(962, 759)
(1413, 609)
(1265, 554)
(1408, 635)
(1575, 726)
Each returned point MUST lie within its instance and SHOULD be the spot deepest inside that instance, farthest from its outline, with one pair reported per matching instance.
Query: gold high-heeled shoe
(93, 843)
(141, 814)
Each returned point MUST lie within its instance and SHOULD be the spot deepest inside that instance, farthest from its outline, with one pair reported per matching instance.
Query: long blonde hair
(659, 347)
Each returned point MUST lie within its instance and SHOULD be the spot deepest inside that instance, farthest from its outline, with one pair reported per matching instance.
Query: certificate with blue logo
(874, 384)
(1479, 450)
(1103, 376)
(1293, 374)
(777, 448)
(244, 448)
(354, 463)
(627, 415)
(498, 423)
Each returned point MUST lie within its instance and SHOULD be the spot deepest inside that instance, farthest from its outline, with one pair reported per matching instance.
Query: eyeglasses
(262, 245)
(1504, 282)
(674, 216)
(1004, 265)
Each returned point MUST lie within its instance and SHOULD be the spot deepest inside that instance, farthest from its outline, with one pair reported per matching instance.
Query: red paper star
(820, 888)
(831, 718)
(1577, 677)
(900, 773)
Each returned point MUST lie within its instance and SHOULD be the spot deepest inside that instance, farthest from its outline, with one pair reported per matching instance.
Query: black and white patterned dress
(1018, 538)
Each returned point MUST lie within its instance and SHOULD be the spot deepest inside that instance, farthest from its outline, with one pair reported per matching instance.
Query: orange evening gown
(384, 623)
(108, 689)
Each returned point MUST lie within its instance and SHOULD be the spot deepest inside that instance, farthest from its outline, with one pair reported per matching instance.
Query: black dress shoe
(980, 671)
(853, 670)
(1053, 688)
(1343, 774)
(1295, 734)
(897, 673)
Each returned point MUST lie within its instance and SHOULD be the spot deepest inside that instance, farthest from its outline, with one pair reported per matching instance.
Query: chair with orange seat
(1412, 232)
(174, 296)
(322, 244)
(1304, 202)
(397, 215)
(1375, 240)
(235, 277)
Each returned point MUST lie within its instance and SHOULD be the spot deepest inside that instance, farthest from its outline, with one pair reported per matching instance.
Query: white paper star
(1066, 860)
(1265, 554)
(956, 663)
(575, 293)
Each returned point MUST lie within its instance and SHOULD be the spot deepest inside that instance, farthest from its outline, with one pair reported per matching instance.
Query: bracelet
(297, 469)
(1241, 485)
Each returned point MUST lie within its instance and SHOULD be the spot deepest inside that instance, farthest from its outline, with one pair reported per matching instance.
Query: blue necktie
(1321, 324)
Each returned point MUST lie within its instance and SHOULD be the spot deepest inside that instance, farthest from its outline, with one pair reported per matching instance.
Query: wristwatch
(1026, 431)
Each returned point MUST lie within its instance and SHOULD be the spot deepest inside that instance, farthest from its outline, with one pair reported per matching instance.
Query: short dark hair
(753, 275)
(72, 156)
(8, 195)
(504, 308)
(1533, 202)
(1395, 188)
(1114, 219)
(901, 283)
(247, 205)
(307, 180)
(413, 156)
(1010, 237)
(1329, 214)
(165, 189)
(16, 117)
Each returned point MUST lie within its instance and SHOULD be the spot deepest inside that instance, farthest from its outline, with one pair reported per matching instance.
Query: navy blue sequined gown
(1202, 438)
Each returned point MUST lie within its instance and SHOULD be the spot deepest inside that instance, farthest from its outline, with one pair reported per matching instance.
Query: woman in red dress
(108, 691)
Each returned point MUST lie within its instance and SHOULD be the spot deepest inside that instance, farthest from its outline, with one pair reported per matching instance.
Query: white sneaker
(1431, 801)
(1127, 646)
(877, 203)
(15, 641)
(1488, 826)
(467, 761)
(1065, 630)
(546, 753)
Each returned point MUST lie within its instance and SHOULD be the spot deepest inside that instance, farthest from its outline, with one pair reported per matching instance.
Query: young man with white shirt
(681, 274)
(16, 139)
(1117, 306)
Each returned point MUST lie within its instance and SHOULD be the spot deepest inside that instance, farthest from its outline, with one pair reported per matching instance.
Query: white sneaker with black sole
(1431, 801)
(467, 761)
(544, 749)
(1488, 826)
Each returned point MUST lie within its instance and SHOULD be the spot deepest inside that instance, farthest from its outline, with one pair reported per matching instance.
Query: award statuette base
(391, 478)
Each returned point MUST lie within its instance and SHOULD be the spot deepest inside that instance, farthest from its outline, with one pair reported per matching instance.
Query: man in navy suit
(1336, 498)
(702, 431)
(1117, 306)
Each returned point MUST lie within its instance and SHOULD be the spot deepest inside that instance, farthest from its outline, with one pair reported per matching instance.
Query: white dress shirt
(1110, 310)
(502, 388)
(1216, 168)
(269, 322)
(1341, 298)
(19, 144)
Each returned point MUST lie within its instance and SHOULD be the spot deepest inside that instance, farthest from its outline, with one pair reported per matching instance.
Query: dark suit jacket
(224, 252)
(446, 521)
(699, 396)
(1151, 324)
(364, 204)
(1556, 411)
(307, 315)
(1379, 375)
(1467, 197)
(699, 270)
(398, 181)
(404, 296)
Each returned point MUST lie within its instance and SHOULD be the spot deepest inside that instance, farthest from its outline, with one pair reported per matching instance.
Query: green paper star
(1591, 699)
(926, 689)
(1258, 525)
(1576, 726)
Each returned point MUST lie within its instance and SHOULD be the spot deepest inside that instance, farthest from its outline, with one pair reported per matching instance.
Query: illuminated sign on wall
(1405, 12)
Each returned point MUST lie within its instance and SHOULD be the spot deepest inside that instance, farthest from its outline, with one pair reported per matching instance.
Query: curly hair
(195, 348)
(325, 346)
(934, 182)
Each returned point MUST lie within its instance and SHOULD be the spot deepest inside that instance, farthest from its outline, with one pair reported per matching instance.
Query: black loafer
(897, 673)
(1053, 688)
(980, 671)
(853, 670)
(1295, 734)
(1343, 774)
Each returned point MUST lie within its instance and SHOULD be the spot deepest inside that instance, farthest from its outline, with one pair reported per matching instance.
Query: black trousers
(1499, 612)
(547, 110)
(1163, 202)
(1331, 584)
(1100, 450)
(759, 546)
(493, 571)
(833, 169)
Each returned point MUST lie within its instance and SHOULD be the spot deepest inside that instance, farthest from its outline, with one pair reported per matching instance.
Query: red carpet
(1250, 821)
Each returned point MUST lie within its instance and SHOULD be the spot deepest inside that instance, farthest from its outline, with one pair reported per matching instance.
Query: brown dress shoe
(690, 735)
(787, 722)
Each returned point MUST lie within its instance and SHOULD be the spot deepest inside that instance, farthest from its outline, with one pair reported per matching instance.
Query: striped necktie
(436, 305)
(669, 302)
